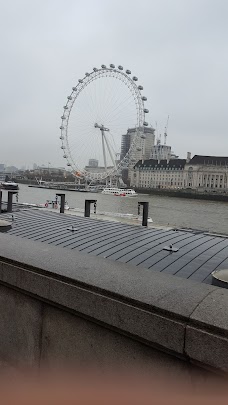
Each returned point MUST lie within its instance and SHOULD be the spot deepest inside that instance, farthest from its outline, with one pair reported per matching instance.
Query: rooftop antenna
(166, 129)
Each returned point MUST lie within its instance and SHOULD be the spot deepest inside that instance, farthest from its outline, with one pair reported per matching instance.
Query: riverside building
(202, 173)
(206, 173)
(158, 173)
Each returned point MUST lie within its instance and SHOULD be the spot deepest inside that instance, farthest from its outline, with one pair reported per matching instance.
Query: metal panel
(197, 256)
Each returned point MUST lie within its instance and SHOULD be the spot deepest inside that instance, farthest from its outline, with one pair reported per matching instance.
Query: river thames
(166, 211)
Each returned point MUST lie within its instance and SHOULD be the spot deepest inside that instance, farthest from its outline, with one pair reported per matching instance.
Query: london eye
(100, 108)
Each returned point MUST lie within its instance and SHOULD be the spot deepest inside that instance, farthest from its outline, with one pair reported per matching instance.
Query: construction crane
(166, 129)
(158, 136)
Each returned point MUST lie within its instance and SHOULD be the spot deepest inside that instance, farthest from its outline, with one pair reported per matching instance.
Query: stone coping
(175, 315)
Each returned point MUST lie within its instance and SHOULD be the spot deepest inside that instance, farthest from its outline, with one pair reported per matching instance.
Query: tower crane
(166, 129)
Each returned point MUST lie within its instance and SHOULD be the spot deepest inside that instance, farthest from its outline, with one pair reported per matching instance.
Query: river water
(166, 211)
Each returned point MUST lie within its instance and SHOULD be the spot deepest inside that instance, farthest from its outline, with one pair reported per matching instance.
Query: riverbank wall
(190, 194)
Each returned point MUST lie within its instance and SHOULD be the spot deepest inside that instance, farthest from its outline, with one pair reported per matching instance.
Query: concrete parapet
(20, 326)
(75, 303)
(207, 331)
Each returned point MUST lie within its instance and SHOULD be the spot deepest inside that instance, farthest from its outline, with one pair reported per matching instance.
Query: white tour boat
(119, 192)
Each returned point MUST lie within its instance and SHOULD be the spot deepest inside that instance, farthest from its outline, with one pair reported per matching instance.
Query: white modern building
(161, 152)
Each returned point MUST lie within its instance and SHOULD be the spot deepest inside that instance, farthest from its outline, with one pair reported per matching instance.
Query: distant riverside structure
(199, 173)
(143, 149)
(93, 167)
(161, 152)
(93, 163)
(2, 167)
(207, 172)
(42, 170)
(158, 173)
(97, 169)
(144, 144)
(11, 169)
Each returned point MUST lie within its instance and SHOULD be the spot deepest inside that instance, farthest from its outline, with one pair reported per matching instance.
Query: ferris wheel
(100, 109)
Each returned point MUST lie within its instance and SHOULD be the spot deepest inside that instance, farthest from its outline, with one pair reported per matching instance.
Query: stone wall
(56, 309)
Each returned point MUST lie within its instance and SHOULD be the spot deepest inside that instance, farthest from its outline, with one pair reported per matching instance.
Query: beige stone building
(158, 174)
(206, 173)
(201, 173)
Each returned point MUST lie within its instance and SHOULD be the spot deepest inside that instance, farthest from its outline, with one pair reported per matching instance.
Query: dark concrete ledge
(175, 315)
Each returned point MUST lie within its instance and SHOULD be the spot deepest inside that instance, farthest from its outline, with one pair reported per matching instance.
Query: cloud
(177, 48)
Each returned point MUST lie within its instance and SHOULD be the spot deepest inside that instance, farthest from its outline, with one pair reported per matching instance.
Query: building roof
(173, 163)
(196, 254)
(209, 160)
(142, 129)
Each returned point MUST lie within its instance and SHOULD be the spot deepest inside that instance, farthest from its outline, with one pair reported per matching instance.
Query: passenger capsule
(120, 67)
(63, 117)
(112, 66)
(63, 147)
(61, 137)
(139, 149)
(103, 66)
(140, 87)
(144, 98)
(135, 78)
(68, 164)
(69, 98)
(65, 107)
(145, 124)
(62, 127)
(86, 74)
(74, 88)
(65, 156)
(128, 72)
(146, 110)
(143, 136)
(80, 80)
(95, 69)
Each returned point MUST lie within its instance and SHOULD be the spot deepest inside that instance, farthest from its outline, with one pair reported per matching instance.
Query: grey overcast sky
(177, 48)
